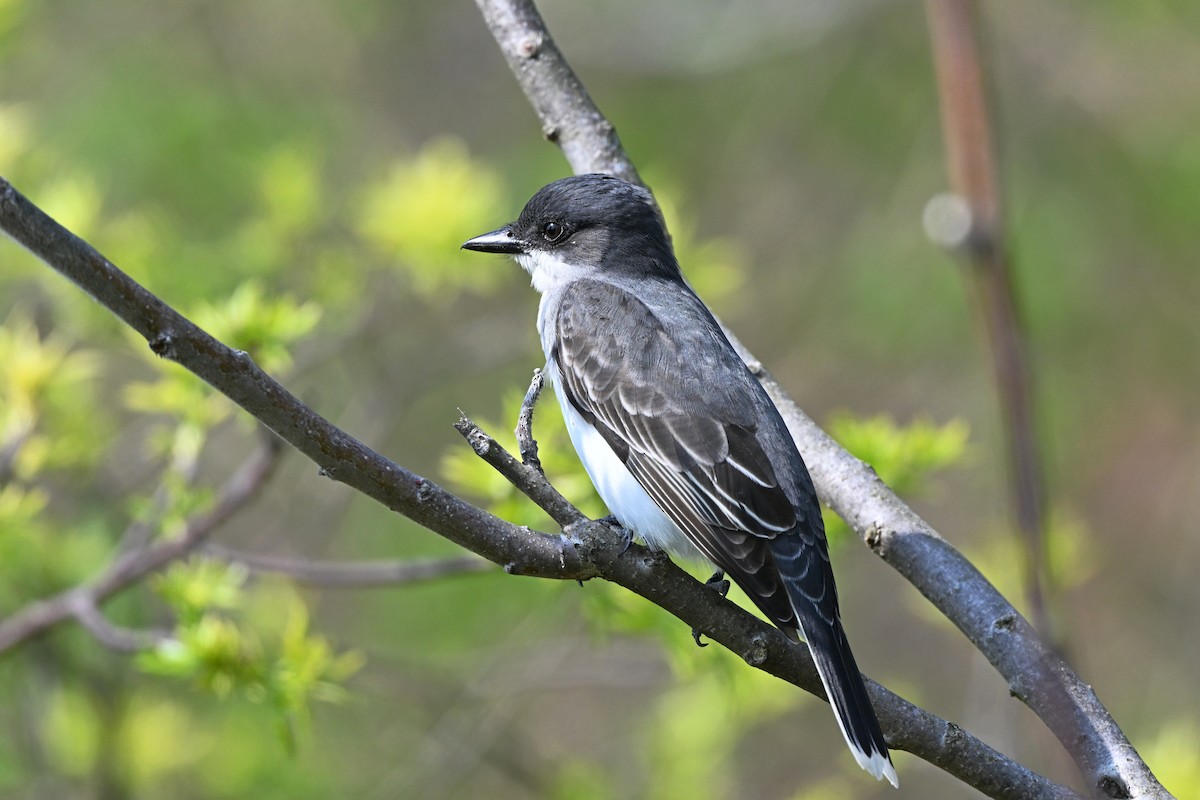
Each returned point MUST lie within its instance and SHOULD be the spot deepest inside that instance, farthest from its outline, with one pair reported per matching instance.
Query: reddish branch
(971, 166)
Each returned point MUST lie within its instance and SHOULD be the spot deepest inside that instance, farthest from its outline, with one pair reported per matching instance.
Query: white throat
(547, 270)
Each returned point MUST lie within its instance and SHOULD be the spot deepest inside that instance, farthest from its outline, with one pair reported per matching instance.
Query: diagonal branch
(87, 613)
(569, 117)
(526, 477)
(1038, 676)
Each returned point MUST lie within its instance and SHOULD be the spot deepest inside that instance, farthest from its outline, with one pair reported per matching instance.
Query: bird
(679, 438)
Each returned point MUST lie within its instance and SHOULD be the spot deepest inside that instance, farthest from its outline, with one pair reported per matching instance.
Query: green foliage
(51, 421)
(47, 419)
(158, 739)
(264, 327)
(906, 456)
(36, 558)
(423, 208)
(216, 652)
(195, 587)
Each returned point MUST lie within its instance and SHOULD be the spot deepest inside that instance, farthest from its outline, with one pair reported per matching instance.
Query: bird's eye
(553, 231)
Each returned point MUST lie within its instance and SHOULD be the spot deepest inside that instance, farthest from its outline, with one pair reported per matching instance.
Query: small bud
(947, 220)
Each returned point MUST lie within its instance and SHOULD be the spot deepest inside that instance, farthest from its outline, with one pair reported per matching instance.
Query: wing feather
(696, 453)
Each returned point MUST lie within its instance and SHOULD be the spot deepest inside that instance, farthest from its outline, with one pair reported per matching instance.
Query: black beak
(502, 240)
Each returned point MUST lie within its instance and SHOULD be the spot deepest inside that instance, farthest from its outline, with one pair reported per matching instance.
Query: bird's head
(584, 224)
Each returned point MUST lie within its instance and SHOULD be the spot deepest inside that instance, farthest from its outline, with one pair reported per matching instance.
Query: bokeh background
(301, 173)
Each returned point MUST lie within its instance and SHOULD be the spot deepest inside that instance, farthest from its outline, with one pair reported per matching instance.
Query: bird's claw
(718, 583)
(625, 534)
(721, 586)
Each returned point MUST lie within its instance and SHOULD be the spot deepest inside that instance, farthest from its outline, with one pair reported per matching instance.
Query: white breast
(620, 491)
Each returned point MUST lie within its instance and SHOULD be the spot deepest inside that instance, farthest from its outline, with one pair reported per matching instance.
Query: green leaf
(904, 456)
(198, 585)
(47, 415)
(263, 327)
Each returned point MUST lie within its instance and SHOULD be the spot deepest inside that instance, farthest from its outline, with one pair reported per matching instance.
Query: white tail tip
(878, 765)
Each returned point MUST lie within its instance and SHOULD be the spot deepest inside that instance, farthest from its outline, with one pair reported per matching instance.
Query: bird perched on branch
(679, 438)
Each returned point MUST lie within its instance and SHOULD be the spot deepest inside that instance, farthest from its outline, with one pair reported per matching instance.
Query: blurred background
(298, 176)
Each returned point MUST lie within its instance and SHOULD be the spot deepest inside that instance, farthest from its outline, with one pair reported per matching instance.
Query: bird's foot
(625, 534)
(718, 583)
(721, 586)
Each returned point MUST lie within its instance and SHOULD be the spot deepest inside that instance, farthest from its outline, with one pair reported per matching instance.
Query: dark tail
(803, 566)
(848, 695)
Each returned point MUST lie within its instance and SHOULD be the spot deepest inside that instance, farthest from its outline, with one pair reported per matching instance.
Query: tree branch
(526, 444)
(526, 477)
(352, 574)
(114, 637)
(1037, 676)
(981, 242)
(569, 117)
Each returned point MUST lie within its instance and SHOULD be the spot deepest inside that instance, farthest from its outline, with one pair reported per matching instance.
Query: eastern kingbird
(679, 438)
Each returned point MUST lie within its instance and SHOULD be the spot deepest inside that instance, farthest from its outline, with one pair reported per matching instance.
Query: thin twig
(525, 477)
(114, 637)
(971, 163)
(526, 444)
(352, 574)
